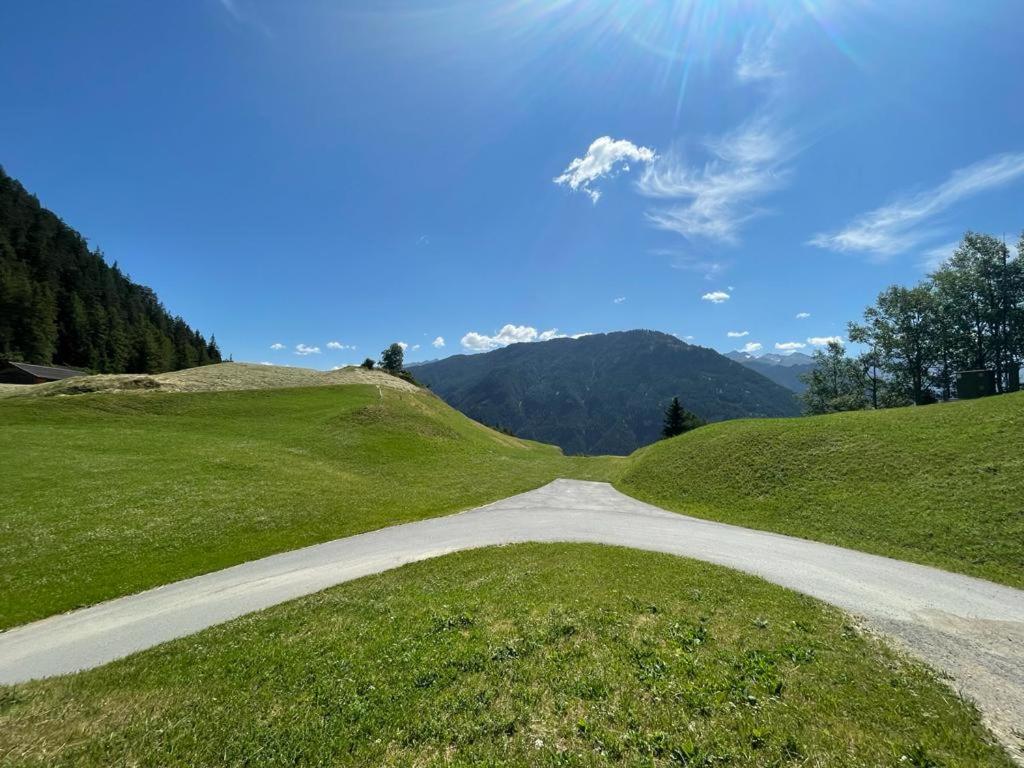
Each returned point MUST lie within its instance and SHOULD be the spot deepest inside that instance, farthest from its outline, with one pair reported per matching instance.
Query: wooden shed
(13, 372)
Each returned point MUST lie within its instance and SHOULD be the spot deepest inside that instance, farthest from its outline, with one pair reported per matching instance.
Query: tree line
(61, 303)
(968, 315)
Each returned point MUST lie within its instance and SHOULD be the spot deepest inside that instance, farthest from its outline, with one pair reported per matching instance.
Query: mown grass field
(532, 655)
(109, 494)
(941, 485)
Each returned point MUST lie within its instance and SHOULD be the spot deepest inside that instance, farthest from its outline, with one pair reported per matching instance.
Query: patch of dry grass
(222, 377)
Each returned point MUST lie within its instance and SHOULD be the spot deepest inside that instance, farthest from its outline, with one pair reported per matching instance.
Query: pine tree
(679, 420)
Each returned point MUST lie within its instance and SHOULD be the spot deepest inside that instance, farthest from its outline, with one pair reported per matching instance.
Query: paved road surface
(971, 629)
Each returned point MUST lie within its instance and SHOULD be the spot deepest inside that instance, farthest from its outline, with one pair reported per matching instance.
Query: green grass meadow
(109, 494)
(941, 484)
(531, 655)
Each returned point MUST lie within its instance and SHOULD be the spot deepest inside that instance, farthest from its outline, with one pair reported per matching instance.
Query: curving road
(971, 629)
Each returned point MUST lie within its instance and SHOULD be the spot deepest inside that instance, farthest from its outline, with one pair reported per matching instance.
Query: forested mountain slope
(60, 302)
(604, 393)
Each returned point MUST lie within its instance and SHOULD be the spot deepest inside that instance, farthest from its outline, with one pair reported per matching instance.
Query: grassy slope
(109, 494)
(940, 485)
(540, 655)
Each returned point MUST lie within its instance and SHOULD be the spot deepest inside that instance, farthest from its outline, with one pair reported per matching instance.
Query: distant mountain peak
(772, 358)
(601, 393)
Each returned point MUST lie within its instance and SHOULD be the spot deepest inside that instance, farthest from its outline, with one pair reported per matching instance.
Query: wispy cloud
(717, 198)
(737, 334)
(244, 17)
(231, 8)
(277, 346)
(511, 334)
(821, 341)
(688, 262)
(751, 347)
(438, 342)
(716, 297)
(903, 224)
(757, 58)
(303, 350)
(932, 258)
(802, 315)
(339, 345)
(789, 346)
(618, 300)
(604, 157)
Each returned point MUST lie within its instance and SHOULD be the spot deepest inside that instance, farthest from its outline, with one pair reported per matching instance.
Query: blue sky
(340, 175)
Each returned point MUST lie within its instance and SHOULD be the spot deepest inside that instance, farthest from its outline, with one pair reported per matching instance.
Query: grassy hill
(108, 494)
(532, 655)
(601, 394)
(220, 377)
(939, 484)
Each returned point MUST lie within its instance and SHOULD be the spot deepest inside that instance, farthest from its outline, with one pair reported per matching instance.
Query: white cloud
(900, 225)
(717, 199)
(601, 159)
(339, 345)
(403, 345)
(477, 342)
(618, 300)
(802, 315)
(277, 346)
(751, 347)
(716, 297)
(509, 334)
(737, 334)
(512, 334)
(415, 347)
(789, 346)
(302, 349)
(821, 341)
(265, 362)
(438, 342)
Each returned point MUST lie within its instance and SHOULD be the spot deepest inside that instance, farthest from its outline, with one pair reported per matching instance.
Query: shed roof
(50, 372)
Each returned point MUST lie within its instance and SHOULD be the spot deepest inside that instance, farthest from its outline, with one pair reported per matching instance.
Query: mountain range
(784, 370)
(602, 393)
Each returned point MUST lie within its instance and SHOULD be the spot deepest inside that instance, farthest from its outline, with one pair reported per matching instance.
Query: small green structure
(980, 382)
